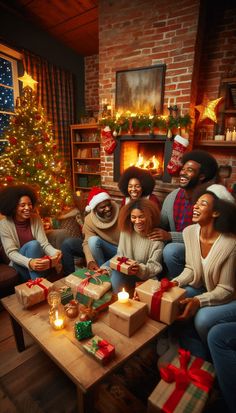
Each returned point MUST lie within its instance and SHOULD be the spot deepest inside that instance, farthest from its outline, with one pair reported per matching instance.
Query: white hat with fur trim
(221, 192)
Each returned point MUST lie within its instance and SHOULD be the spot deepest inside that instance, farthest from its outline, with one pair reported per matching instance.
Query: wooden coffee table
(66, 351)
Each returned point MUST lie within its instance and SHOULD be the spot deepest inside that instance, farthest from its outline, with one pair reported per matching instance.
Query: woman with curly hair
(135, 183)
(136, 220)
(22, 233)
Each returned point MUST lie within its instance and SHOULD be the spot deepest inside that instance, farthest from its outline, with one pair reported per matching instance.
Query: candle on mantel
(123, 296)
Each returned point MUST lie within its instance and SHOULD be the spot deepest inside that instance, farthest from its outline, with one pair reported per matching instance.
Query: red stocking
(108, 141)
(179, 147)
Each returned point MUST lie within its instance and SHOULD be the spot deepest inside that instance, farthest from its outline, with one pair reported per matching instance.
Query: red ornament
(62, 180)
(19, 162)
(9, 178)
(39, 165)
(27, 173)
(15, 121)
(54, 147)
(13, 140)
(38, 116)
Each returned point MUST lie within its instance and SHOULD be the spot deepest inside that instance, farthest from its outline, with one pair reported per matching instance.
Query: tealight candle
(123, 296)
(58, 323)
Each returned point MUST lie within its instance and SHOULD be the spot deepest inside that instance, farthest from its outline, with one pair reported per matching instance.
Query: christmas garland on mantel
(141, 123)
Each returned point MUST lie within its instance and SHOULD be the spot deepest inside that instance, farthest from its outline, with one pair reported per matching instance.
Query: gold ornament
(207, 109)
(27, 80)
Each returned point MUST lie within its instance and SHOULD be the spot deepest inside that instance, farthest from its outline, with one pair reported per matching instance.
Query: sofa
(8, 275)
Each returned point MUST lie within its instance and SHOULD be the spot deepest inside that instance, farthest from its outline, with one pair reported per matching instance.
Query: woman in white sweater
(136, 220)
(209, 274)
(22, 233)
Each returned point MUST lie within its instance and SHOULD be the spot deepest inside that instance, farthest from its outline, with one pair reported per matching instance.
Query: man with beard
(101, 234)
(199, 167)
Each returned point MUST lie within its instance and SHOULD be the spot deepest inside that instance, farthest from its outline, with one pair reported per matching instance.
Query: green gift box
(100, 304)
(83, 329)
(66, 295)
(184, 387)
(94, 284)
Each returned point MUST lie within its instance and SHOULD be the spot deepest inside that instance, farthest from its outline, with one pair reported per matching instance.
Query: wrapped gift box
(100, 304)
(33, 291)
(169, 306)
(100, 349)
(66, 294)
(188, 396)
(128, 317)
(90, 283)
(122, 264)
(51, 261)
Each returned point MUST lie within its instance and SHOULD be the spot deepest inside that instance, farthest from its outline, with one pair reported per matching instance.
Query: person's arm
(153, 265)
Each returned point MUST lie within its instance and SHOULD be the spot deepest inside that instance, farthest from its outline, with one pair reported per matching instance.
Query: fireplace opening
(152, 154)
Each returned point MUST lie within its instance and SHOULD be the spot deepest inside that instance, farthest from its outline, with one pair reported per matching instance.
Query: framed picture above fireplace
(140, 90)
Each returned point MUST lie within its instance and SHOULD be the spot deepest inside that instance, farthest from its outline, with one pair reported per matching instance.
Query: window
(9, 89)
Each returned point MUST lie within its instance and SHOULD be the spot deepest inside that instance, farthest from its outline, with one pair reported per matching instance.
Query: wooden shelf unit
(85, 152)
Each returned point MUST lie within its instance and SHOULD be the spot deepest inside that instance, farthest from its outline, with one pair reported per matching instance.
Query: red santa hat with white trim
(95, 197)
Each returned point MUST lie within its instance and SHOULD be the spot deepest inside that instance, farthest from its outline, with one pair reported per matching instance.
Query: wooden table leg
(85, 401)
(18, 333)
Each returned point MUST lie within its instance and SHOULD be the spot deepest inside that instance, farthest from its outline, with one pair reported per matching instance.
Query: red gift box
(100, 349)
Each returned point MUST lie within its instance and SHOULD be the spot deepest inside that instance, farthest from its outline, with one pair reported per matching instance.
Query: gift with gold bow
(93, 284)
(184, 387)
(122, 264)
(101, 349)
(33, 291)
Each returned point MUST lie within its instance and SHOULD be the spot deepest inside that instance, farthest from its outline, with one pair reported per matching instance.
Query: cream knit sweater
(218, 274)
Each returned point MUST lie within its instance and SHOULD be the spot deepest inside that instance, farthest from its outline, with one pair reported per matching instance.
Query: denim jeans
(71, 247)
(120, 281)
(174, 258)
(194, 333)
(222, 344)
(31, 249)
(101, 250)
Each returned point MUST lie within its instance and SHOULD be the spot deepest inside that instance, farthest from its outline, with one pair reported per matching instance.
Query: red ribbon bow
(103, 347)
(122, 260)
(183, 376)
(38, 281)
(157, 296)
(85, 281)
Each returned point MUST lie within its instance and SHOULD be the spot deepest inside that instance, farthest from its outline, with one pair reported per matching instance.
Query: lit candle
(168, 104)
(58, 323)
(123, 297)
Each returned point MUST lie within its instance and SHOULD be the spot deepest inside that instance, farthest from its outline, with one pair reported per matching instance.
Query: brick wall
(197, 44)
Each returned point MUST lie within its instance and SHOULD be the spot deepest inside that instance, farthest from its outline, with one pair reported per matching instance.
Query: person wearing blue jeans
(71, 248)
(199, 167)
(222, 345)
(209, 274)
(22, 233)
(101, 250)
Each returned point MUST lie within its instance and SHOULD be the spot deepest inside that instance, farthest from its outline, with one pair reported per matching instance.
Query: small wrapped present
(162, 299)
(127, 318)
(99, 305)
(184, 386)
(66, 294)
(100, 349)
(122, 264)
(33, 291)
(94, 284)
(83, 329)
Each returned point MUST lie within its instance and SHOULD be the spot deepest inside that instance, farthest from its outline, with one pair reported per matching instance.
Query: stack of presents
(185, 383)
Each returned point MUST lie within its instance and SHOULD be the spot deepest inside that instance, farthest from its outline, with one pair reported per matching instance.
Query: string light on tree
(32, 151)
(207, 109)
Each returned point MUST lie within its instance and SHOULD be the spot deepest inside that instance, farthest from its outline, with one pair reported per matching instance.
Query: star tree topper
(207, 109)
(27, 81)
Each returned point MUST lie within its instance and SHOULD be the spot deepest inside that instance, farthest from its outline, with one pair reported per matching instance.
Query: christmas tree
(32, 157)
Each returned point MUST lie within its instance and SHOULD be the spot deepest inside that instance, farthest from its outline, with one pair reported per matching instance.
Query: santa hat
(95, 196)
(221, 192)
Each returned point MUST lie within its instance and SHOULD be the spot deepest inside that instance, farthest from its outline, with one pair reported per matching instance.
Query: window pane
(6, 72)
(6, 99)
(4, 122)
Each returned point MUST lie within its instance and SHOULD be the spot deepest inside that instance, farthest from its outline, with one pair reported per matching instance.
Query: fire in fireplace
(145, 152)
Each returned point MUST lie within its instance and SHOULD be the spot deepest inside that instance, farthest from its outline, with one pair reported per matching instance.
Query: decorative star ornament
(207, 109)
(27, 81)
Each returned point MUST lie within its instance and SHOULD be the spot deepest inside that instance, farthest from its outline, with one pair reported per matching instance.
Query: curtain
(55, 90)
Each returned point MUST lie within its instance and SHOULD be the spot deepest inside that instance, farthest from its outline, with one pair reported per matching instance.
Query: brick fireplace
(196, 41)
